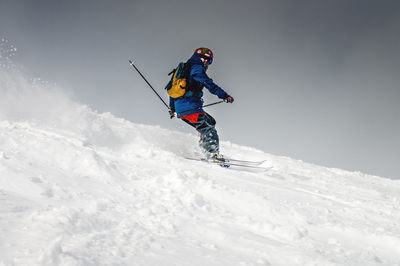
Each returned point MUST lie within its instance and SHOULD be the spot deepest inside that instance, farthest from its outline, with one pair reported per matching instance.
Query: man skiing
(189, 106)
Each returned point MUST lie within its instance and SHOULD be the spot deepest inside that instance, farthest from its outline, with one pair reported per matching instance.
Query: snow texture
(82, 188)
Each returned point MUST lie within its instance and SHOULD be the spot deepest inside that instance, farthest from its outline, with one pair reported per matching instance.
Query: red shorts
(192, 117)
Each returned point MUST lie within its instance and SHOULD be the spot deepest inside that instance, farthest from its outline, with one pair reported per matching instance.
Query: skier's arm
(199, 74)
(171, 107)
(171, 103)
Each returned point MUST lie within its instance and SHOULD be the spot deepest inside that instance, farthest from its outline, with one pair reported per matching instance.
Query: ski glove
(229, 99)
(171, 113)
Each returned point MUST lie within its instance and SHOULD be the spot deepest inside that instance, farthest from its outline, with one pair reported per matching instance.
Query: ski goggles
(206, 58)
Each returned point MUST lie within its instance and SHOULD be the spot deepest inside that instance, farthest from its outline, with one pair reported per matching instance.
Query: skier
(189, 106)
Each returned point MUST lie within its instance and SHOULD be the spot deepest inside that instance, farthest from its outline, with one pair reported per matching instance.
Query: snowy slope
(82, 188)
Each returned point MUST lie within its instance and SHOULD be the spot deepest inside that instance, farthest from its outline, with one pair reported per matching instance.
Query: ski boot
(219, 158)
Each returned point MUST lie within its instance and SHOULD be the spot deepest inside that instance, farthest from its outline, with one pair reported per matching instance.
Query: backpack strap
(188, 68)
(172, 72)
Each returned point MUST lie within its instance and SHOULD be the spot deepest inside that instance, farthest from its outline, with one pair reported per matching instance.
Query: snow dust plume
(33, 99)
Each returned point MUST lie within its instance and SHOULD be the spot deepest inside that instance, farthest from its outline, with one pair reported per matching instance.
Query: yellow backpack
(177, 85)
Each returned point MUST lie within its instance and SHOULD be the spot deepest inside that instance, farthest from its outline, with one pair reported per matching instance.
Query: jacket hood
(195, 60)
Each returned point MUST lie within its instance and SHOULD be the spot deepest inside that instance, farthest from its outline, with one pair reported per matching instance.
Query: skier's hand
(171, 113)
(229, 99)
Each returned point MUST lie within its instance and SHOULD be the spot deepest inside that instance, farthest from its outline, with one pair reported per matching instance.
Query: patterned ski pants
(205, 125)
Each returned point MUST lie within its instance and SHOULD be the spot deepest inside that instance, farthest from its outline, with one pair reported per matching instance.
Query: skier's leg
(209, 140)
(205, 125)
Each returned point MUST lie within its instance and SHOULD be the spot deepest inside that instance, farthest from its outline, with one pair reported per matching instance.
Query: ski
(229, 163)
(246, 162)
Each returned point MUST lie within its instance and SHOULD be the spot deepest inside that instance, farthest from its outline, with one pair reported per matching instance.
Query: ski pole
(201, 107)
(213, 103)
(130, 61)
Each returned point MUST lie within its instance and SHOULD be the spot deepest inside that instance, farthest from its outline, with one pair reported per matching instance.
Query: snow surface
(82, 188)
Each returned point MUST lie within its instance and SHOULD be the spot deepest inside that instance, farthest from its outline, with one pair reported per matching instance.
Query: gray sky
(313, 80)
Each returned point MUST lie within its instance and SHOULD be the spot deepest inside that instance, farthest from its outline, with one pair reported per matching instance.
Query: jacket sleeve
(171, 100)
(199, 74)
(171, 103)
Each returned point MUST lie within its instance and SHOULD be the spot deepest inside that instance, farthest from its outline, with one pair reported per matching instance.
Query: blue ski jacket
(196, 81)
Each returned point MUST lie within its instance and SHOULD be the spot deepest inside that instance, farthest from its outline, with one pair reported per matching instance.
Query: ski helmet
(205, 53)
